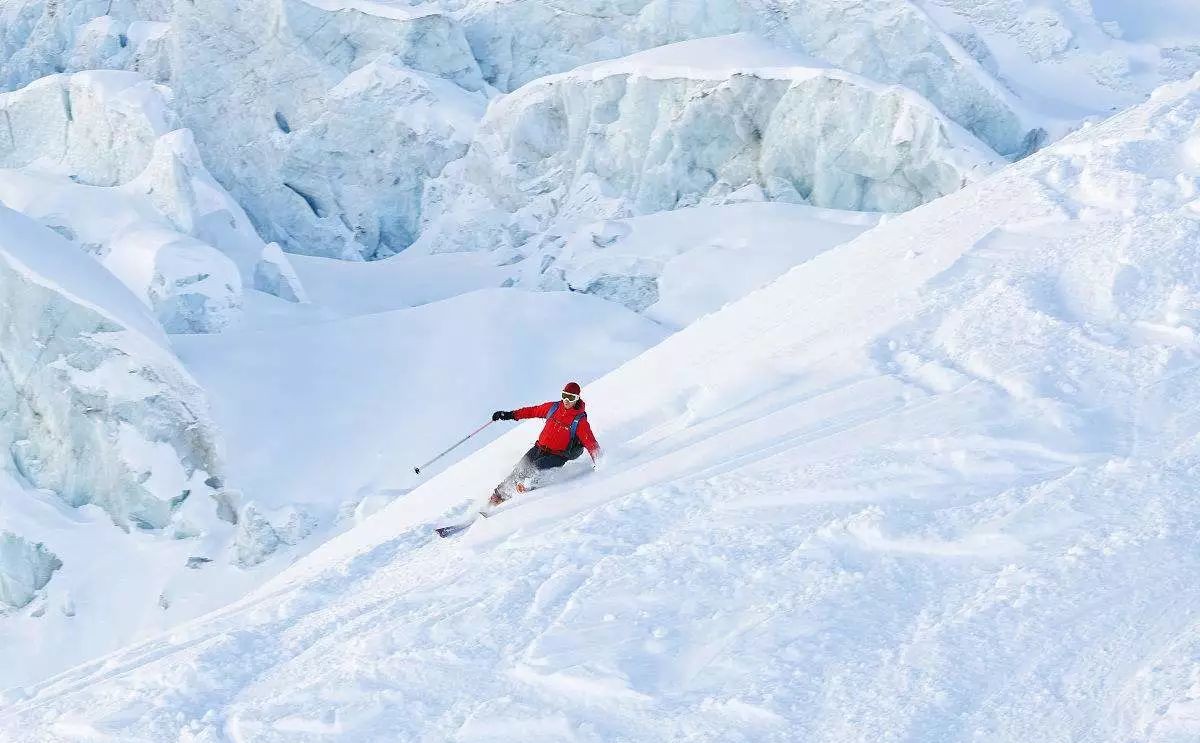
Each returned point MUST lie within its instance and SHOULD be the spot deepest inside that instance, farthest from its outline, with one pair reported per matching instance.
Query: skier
(563, 438)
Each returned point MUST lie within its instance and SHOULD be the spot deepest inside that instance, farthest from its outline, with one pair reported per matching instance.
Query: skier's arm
(533, 411)
(588, 439)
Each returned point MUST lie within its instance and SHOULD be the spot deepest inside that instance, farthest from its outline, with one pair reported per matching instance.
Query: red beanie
(571, 387)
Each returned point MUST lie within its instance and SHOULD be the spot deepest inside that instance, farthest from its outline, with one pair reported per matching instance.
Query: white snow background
(886, 313)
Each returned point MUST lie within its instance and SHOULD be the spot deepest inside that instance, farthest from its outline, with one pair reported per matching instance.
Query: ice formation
(96, 408)
(97, 157)
(326, 122)
(682, 125)
(311, 148)
(305, 112)
(886, 40)
(25, 569)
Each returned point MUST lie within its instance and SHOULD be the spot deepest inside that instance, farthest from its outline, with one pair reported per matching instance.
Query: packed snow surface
(378, 391)
(934, 484)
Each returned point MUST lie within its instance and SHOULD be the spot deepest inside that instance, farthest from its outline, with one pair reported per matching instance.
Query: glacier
(97, 409)
(293, 103)
(25, 569)
(98, 156)
(308, 114)
(680, 126)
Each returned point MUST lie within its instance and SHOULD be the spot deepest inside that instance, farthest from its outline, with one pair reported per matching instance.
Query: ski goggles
(570, 398)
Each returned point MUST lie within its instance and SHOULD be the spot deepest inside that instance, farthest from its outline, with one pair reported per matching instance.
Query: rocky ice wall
(676, 127)
(25, 569)
(325, 124)
(892, 41)
(97, 156)
(93, 406)
(326, 119)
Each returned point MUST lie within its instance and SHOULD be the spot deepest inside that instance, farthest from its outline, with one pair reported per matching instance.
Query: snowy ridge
(935, 484)
(712, 58)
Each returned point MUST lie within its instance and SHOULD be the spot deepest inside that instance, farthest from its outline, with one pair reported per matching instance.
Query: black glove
(502, 415)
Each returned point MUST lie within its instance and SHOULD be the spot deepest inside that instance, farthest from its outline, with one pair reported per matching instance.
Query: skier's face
(569, 400)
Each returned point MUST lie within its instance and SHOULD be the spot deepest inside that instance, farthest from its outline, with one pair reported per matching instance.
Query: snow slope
(1075, 59)
(936, 484)
(378, 393)
(288, 400)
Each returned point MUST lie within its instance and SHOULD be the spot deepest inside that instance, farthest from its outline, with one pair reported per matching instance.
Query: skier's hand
(502, 415)
(596, 461)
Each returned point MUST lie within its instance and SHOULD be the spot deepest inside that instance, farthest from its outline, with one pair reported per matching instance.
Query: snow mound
(866, 502)
(630, 138)
(99, 411)
(676, 266)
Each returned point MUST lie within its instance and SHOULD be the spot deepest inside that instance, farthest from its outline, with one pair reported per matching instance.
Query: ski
(452, 529)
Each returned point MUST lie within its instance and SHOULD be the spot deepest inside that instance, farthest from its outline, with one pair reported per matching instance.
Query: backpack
(574, 446)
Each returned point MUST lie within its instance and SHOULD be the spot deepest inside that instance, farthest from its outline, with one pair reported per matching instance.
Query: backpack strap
(553, 409)
(575, 424)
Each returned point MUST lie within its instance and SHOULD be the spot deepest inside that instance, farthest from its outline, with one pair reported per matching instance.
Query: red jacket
(556, 434)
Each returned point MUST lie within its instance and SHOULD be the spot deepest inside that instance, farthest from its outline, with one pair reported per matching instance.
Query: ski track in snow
(722, 606)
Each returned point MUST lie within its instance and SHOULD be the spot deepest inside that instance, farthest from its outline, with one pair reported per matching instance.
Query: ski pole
(456, 445)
